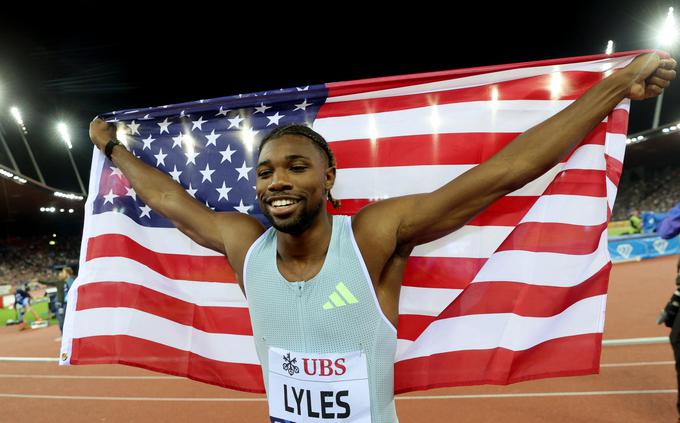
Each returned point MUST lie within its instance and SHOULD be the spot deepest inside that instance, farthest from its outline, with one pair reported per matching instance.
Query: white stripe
(599, 66)
(548, 269)
(478, 116)
(569, 209)
(161, 240)
(611, 193)
(126, 321)
(468, 241)
(425, 301)
(378, 183)
(504, 330)
(616, 146)
(214, 294)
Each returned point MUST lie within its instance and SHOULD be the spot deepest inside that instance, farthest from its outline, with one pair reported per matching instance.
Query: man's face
(292, 181)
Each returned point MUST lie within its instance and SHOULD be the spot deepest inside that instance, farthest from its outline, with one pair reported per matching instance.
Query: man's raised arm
(417, 219)
(229, 233)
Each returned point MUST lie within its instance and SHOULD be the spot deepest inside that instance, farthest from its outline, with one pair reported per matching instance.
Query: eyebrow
(290, 157)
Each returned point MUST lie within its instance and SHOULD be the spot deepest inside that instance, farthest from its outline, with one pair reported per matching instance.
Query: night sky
(72, 62)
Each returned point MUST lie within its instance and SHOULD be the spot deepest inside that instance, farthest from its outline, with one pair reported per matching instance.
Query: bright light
(665, 130)
(435, 120)
(121, 134)
(372, 129)
(63, 131)
(640, 138)
(70, 210)
(610, 47)
(17, 114)
(6, 174)
(248, 137)
(668, 34)
(42, 209)
(54, 235)
(68, 196)
(52, 242)
(556, 85)
(18, 179)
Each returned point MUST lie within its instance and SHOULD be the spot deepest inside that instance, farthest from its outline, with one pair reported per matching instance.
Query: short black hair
(317, 139)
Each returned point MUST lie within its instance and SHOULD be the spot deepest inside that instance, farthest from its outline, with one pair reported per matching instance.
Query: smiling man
(323, 290)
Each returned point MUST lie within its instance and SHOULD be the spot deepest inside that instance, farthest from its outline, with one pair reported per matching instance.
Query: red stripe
(131, 351)
(574, 84)
(173, 266)
(432, 149)
(231, 320)
(509, 297)
(614, 169)
(618, 122)
(567, 356)
(590, 183)
(553, 238)
(441, 272)
(373, 84)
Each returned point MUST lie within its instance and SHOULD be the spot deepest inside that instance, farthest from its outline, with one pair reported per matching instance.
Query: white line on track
(423, 397)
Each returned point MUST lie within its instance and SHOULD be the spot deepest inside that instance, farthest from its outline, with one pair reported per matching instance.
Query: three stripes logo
(340, 297)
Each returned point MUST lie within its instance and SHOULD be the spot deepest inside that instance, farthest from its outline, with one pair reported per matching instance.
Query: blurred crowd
(658, 191)
(28, 258)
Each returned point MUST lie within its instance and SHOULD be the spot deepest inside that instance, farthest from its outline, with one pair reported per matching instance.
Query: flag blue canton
(208, 146)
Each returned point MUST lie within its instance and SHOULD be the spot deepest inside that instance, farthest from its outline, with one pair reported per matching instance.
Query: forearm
(149, 183)
(543, 146)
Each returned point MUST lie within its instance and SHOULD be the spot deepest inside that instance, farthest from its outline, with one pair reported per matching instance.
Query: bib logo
(324, 366)
(289, 365)
(624, 250)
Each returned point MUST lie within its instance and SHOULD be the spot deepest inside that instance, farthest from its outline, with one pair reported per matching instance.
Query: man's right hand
(101, 132)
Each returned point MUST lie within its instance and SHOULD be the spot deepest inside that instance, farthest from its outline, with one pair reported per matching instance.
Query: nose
(279, 181)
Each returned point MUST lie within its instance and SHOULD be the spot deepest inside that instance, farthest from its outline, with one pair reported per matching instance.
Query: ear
(330, 178)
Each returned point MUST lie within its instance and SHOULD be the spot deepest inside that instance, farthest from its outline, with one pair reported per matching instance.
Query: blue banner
(642, 247)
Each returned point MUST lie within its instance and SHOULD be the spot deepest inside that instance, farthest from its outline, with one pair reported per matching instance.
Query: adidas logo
(340, 297)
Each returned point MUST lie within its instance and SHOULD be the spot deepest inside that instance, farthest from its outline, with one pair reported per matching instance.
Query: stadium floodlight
(16, 113)
(666, 37)
(63, 131)
(668, 34)
(610, 47)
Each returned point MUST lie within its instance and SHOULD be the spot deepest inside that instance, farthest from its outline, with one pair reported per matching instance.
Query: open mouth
(280, 207)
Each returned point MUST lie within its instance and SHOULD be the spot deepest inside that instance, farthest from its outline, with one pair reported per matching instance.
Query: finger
(668, 63)
(666, 74)
(655, 80)
(653, 91)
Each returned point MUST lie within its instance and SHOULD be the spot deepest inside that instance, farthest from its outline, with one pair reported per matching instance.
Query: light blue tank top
(336, 311)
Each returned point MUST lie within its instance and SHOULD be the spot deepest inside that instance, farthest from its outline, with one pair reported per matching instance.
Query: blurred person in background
(667, 229)
(635, 222)
(22, 303)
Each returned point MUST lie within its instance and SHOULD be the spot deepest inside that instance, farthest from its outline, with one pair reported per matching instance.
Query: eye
(264, 173)
(298, 168)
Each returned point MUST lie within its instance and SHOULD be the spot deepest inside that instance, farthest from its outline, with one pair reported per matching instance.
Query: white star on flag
(191, 156)
(198, 123)
(262, 108)
(175, 173)
(134, 128)
(302, 106)
(131, 193)
(303, 88)
(242, 208)
(224, 192)
(164, 125)
(223, 112)
(192, 191)
(177, 141)
(160, 158)
(274, 119)
(145, 211)
(147, 142)
(109, 197)
(115, 171)
(226, 154)
(212, 138)
(243, 171)
(235, 122)
(207, 173)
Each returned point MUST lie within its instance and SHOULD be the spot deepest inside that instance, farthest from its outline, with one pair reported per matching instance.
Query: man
(22, 304)
(320, 359)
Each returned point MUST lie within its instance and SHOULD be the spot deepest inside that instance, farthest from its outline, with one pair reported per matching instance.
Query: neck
(310, 244)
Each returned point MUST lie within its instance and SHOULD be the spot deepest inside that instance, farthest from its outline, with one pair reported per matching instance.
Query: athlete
(331, 356)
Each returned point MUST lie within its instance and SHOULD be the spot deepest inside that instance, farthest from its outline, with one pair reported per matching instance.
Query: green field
(41, 309)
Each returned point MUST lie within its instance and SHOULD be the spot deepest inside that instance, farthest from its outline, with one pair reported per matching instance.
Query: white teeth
(282, 203)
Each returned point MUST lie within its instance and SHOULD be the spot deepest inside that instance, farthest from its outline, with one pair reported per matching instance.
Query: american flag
(518, 293)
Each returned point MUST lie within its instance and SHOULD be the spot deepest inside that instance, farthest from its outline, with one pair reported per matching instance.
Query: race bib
(306, 387)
